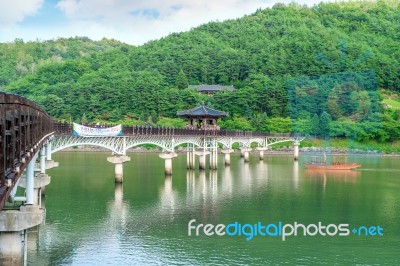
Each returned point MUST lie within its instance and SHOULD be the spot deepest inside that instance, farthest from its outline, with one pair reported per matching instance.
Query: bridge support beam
(118, 162)
(261, 150)
(13, 232)
(202, 158)
(296, 150)
(168, 161)
(190, 157)
(227, 156)
(245, 152)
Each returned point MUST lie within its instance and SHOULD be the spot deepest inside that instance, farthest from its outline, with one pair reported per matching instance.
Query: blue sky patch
(147, 13)
(47, 15)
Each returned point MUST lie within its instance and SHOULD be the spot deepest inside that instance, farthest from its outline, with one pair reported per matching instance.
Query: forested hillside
(341, 53)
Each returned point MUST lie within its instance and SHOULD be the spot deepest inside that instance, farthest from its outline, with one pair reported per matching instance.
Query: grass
(392, 104)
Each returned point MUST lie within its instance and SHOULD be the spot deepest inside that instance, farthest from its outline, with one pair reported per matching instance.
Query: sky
(130, 21)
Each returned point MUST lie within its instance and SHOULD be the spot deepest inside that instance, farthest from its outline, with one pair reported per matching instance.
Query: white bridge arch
(120, 144)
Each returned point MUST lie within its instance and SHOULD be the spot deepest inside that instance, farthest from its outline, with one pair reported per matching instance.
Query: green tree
(181, 80)
(171, 122)
(302, 126)
(259, 122)
(315, 125)
(324, 124)
(84, 119)
(279, 125)
(237, 123)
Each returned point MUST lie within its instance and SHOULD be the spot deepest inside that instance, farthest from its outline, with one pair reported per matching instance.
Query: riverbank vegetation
(327, 71)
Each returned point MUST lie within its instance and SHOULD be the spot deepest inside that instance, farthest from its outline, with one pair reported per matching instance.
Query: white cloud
(138, 21)
(12, 12)
(119, 9)
(131, 21)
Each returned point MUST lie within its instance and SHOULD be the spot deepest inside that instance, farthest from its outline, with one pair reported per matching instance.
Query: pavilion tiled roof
(206, 87)
(202, 110)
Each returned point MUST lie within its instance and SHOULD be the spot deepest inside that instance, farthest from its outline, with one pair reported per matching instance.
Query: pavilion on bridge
(202, 117)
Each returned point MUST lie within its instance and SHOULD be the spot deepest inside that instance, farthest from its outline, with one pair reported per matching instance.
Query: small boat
(323, 165)
(332, 166)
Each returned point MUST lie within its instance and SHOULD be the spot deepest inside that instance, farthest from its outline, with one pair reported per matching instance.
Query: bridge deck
(23, 124)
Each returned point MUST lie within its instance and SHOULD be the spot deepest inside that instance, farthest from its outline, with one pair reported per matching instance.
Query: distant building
(211, 89)
(202, 117)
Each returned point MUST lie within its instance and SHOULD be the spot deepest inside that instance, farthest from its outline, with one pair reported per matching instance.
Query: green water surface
(91, 221)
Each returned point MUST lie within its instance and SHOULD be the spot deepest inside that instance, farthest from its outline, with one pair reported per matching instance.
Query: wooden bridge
(26, 131)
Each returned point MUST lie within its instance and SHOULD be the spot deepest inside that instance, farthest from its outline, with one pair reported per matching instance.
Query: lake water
(91, 221)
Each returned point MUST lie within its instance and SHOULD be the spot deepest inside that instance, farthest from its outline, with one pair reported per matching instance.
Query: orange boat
(323, 165)
(332, 166)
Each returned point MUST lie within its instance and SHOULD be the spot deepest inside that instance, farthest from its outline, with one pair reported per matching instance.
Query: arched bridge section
(24, 128)
(165, 138)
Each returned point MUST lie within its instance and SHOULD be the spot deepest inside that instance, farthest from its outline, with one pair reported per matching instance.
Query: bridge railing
(62, 128)
(23, 124)
(66, 129)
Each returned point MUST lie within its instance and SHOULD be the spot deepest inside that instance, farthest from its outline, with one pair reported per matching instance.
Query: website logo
(280, 229)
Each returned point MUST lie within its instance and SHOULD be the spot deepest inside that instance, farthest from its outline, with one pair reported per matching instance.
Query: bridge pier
(190, 157)
(42, 161)
(13, 232)
(202, 162)
(30, 181)
(118, 162)
(39, 182)
(43, 167)
(245, 152)
(14, 224)
(49, 165)
(296, 150)
(261, 150)
(168, 162)
(49, 161)
(227, 156)
(202, 158)
(214, 158)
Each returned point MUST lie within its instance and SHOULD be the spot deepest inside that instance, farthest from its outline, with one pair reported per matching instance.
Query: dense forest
(318, 70)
